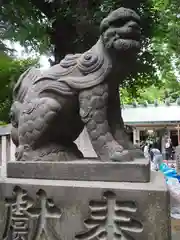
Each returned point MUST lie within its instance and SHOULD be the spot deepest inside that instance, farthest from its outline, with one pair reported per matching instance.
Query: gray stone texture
(51, 108)
(87, 170)
(47, 197)
(67, 210)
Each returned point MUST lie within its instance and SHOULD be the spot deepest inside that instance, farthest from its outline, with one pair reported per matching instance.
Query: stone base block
(86, 170)
(82, 210)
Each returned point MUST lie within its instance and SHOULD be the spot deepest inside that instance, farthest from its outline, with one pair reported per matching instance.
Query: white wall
(7, 153)
(84, 144)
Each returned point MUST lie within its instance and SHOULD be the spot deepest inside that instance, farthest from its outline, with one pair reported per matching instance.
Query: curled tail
(20, 90)
(24, 83)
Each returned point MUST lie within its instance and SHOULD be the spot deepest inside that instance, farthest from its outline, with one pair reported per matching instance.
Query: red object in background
(165, 161)
(169, 164)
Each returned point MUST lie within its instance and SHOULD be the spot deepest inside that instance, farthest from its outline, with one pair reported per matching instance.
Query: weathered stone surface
(66, 210)
(87, 170)
(47, 197)
(51, 108)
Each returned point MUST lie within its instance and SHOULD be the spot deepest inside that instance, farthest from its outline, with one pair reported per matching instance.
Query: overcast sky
(21, 54)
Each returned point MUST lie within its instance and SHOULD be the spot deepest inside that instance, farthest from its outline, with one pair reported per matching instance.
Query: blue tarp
(169, 172)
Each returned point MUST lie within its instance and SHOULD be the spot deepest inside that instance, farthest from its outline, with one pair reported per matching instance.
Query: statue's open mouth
(127, 37)
(132, 33)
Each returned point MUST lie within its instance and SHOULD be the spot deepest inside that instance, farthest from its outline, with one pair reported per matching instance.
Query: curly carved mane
(78, 71)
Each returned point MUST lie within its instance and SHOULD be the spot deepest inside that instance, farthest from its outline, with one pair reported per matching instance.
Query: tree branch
(44, 7)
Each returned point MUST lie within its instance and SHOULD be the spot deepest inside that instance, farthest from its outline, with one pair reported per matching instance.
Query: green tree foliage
(73, 26)
(3, 47)
(168, 89)
(10, 70)
(165, 48)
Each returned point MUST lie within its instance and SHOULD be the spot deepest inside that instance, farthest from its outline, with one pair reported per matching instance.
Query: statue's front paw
(123, 156)
(19, 153)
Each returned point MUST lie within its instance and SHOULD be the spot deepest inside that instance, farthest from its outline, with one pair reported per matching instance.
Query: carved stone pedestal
(37, 209)
(85, 170)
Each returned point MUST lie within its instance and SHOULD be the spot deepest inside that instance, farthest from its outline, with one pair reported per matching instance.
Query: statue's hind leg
(35, 125)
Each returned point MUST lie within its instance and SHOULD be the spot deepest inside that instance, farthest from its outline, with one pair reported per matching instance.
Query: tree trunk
(68, 39)
(63, 37)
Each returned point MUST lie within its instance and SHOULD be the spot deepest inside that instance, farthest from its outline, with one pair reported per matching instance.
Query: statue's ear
(104, 25)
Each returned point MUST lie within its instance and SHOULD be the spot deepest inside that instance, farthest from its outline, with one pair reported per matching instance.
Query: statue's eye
(11, 116)
(118, 23)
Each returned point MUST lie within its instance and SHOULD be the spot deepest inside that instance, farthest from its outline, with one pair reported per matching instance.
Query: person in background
(173, 153)
(156, 158)
(146, 151)
(168, 149)
(155, 144)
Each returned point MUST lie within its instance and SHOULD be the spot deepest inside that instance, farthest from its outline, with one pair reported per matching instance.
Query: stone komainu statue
(52, 107)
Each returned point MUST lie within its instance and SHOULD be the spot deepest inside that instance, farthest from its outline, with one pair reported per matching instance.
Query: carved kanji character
(111, 219)
(27, 219)
(44, 210)
(17, 217)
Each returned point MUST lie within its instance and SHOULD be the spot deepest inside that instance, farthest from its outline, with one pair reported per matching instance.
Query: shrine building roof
(147, 114)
